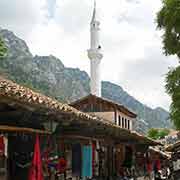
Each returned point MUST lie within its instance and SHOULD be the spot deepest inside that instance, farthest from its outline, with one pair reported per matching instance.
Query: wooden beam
(23, 130)
(74, 136)
(5, 107)
(10, 113)
(14, 103)
(84, 137)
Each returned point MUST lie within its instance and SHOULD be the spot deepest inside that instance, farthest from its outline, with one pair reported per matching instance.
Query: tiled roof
(15, 92)
(121, 107)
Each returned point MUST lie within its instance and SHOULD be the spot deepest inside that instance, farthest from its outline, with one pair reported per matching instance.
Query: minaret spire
(95, 55)
(94, 12)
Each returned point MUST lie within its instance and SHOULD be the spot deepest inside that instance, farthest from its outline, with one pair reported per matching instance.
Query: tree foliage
(173, 88)
(157, 133)
(153, 133)
(168, 20)
(3, 48)
(162, 133)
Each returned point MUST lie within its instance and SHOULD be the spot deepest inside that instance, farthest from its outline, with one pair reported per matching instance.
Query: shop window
(96, 108)
(122, 122)
(119, 121)
(85, 108)
(115, 118)
(125, 123)
(128, 124)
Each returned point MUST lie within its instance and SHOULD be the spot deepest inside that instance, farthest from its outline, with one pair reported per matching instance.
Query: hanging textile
(93, 158)
(61, 166)
(149, 167)
(76, 160)
(5, 146)
(96, 154)
(20, 153)
(128, 157)
(47, 149)
(87, 161)
(102, 157)
(36, 167)
(97, 145)
(2, 146)
(158, 164)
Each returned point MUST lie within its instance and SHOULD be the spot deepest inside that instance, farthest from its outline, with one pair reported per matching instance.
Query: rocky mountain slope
(48, 75)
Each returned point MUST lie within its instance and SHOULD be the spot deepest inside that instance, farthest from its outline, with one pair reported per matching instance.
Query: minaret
(95, 55)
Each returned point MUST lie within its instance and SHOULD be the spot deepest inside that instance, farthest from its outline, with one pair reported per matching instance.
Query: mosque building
(94, 103)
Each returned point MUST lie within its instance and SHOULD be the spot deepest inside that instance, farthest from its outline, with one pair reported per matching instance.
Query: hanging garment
(97, 145)
(61, 166)
(2, 146)
(93, 157)
(36, 172)
(178, 164)
(5, 146)
(76, 160)
(128, 157)
(149, 167)
(158, 164)
(87, 161)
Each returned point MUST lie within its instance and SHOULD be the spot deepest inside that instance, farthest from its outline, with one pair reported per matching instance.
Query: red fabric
(36, 168)
(62, 165)
(149, 167)
(158, 164)
(93, 158)
(2, 146)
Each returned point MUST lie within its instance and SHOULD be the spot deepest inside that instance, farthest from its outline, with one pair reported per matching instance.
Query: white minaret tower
(95, 56)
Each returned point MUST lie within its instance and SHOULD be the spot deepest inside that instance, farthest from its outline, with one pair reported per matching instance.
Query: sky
(131, 43)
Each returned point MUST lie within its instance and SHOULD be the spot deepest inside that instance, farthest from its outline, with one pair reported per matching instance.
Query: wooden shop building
(175, 159)
(64, 132)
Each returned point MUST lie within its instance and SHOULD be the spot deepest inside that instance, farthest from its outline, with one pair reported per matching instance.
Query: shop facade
(73, 144)
(174, 162)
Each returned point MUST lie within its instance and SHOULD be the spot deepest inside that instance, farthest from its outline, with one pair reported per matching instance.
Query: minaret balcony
(95, 54)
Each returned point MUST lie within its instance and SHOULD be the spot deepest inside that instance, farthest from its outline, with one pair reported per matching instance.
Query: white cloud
(132, 46)
(22, 15)
(145, 78)
(71, 15)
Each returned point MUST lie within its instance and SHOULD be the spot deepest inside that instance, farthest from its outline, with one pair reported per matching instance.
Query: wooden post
(110, 159)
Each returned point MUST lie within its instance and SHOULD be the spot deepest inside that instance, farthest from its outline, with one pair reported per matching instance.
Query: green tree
(153, 133)
(157, 133)
(173, 88)
(168, 20)
(162, 133)
(3, 48)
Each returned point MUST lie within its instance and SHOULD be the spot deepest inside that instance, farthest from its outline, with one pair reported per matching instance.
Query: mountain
(48, 75)
(154, 117)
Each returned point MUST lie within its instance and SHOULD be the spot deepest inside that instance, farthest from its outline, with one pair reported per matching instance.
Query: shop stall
(74, 145)
(175, 159)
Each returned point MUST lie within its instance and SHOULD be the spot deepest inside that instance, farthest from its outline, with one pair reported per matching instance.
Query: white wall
(124, 116)
(110, 116)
